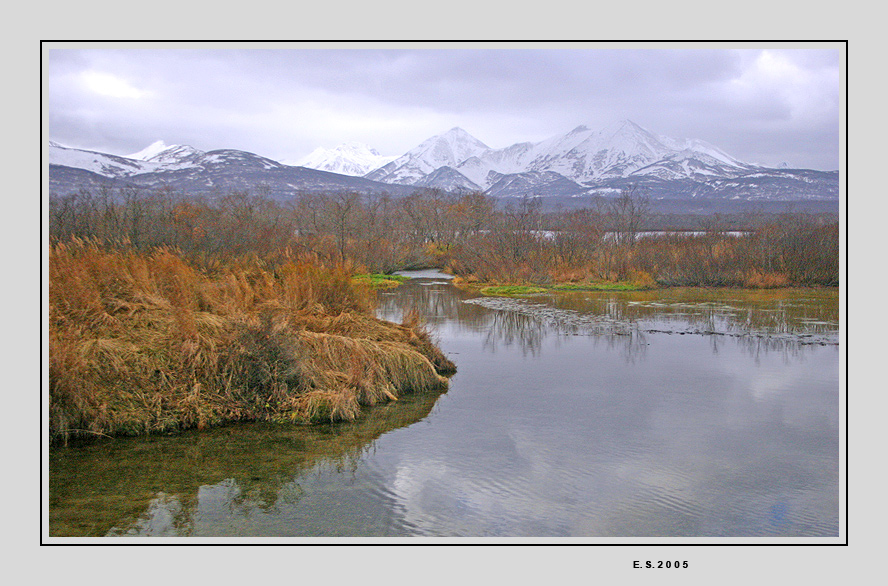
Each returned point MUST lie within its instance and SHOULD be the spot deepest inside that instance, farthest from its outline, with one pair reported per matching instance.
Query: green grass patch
(380, 281)
(604, 286)
(512, 290)
(516, 290)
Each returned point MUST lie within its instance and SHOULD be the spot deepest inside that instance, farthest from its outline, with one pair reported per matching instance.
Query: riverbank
(146, 343)
(499, 289)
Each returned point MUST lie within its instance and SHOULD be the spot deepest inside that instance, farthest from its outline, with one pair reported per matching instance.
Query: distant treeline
(470, 234)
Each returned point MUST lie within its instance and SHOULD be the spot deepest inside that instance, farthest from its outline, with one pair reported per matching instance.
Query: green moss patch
(380, 281)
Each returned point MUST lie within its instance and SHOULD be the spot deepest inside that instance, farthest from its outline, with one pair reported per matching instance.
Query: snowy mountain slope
(534, 183)
(582, 155)
(189, 170)
(448, 149)
(177, 157)
(485, 168)
(614, 151)
(95, 162)
(587, 156)
(622, 149)
(149, 151)
(783, 184)
(448, 179)
(692, 164)
(155, 157)
(350, 158)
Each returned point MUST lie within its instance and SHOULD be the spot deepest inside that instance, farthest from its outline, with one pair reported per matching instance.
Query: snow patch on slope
(350, 158)
(149, 151)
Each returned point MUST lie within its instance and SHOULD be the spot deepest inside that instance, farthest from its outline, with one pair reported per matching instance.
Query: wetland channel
(674, 412)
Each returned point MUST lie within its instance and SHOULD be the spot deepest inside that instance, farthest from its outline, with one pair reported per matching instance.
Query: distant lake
(669, 413)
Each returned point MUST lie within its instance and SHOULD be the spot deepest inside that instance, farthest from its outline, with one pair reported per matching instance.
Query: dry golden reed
(146, 343)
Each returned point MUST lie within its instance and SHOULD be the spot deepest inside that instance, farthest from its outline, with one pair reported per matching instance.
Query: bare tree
(578, 237)
(629, 213)
(341, 214)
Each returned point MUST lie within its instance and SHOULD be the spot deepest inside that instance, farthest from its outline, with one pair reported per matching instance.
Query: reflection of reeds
(96, 487)
(768, 320)
(146, 343)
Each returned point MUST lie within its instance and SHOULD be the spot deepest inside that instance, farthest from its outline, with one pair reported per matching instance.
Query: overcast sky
(759, 105)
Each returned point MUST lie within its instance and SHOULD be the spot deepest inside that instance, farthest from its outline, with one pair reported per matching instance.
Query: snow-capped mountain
(448, 149)
(96, 162)
(188, 170)
(177, 156)
(580, 162)
(619, 150)
(603, 161)
(350, 158)
(586, 156)
(156, 157)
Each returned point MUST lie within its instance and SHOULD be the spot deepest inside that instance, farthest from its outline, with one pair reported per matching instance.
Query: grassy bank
(145, 342)
(380, 281)
(518, 290)
(639, 282)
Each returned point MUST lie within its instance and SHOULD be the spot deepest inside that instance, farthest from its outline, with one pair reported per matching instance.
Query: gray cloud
(759, 105)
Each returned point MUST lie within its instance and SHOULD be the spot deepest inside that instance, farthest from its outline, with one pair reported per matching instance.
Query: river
(673, 413)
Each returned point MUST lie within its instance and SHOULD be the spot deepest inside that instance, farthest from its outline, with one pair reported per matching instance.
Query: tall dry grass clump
(147, 343)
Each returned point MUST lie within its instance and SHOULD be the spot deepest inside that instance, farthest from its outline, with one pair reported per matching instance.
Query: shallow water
(665, 413)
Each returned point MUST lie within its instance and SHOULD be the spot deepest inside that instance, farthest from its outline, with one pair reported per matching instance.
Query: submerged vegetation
(132, 472)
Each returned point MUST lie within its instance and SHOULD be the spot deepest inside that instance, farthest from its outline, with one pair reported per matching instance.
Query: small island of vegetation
(147, 342)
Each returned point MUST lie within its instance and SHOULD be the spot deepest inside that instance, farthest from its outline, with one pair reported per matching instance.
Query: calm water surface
(667, 413)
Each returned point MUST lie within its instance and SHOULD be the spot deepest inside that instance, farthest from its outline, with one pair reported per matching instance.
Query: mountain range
(581, 162)
(186, 169)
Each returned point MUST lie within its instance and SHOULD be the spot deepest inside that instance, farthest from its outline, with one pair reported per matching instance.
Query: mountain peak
(443, 150)
(623, 126)
(349, 158)
(174, 154)
(458, 133)
(354, 146)
(149, 151)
